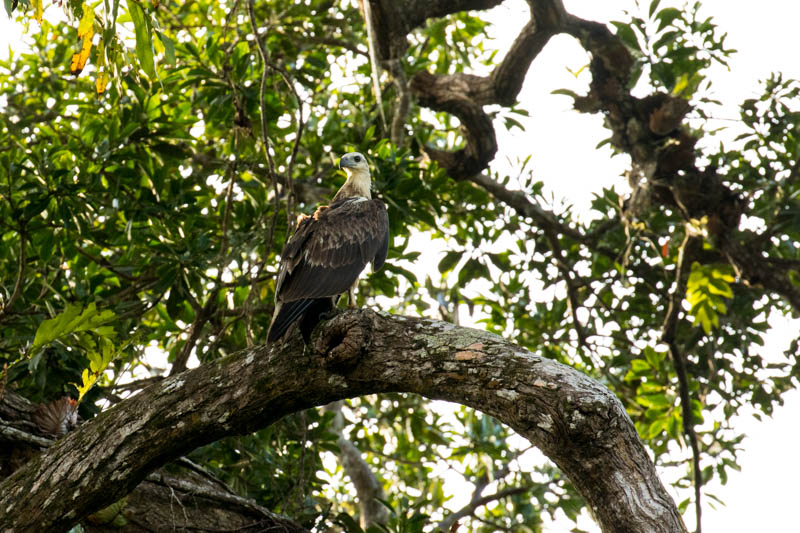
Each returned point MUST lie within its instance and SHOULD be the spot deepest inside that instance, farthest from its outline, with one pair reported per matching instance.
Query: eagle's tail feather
(313, 316)
(307, 312)
(286, 316)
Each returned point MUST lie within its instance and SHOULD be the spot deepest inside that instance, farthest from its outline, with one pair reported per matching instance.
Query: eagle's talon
(328, 315)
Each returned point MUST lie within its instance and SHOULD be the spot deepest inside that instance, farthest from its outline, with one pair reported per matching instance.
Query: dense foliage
(145, 198)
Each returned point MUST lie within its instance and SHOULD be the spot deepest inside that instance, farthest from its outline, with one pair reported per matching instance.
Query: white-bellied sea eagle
(328, 251)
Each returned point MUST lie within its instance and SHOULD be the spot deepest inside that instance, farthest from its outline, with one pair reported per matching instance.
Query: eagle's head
(358, 181)
(354, 163)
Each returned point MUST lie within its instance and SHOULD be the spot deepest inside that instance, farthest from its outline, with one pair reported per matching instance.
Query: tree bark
(180, 496)
(574, 420)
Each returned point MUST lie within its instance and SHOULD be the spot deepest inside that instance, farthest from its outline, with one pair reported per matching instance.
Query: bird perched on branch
(328, 251)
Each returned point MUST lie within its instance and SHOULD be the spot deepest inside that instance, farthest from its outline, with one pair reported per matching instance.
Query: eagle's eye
(357, 158)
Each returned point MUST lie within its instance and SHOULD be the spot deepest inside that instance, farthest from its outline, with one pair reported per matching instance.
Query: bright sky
(763, 496)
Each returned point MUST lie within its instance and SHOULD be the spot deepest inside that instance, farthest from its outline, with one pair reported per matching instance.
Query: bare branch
(368, 487)
(689, 248)
(223, 496)
(475, 503)
(20, 272)
(12, 434)
(195, 330)
(264, 127)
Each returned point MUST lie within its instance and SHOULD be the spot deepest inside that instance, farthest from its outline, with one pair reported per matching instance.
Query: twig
(264, 128)
(210, 493)
(20, 271)
(373, 60)
(686, 254)
(333, 41)
(106, 264)
(10, 433)
(547, 220)
(572, 297)
(3, 381)
(226, 216)
(194, 467)
(273, 176)
(138, 384)
(201, 317)
(291, 197)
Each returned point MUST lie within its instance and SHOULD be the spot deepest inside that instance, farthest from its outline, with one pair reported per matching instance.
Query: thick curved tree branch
(464, 95)
(575, 421)
(662, 150)
(393, 20)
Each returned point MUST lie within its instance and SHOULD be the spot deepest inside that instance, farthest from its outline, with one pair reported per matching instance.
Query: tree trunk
(575, 421)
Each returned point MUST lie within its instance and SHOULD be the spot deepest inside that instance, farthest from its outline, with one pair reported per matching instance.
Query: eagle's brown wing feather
(325, 256)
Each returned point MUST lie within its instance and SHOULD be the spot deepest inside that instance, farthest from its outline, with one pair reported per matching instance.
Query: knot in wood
(343, 339)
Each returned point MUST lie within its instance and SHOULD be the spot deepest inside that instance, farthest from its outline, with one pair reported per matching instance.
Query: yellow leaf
(38, 10)
(102, 82)
(87, 380)
(79, 59)
(86, 26)
(680, 85)
(85, 32)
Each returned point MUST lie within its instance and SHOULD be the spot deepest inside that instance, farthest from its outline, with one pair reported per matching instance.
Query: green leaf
(705, 289)
(110, 514)
(653, 7)
(666, 16)
(53, 328)
(565, 92)
(144, 39)
(169, 48)
(72, 320)
(656, 427)
(627, 35)
(654, 400)
(653, 357)
(347, 522)
(449, 261)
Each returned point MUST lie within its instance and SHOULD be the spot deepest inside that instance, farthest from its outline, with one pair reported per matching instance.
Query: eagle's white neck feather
(359, 183)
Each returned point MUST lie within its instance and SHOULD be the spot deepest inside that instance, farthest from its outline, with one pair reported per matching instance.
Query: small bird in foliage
(328, 251)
